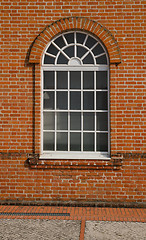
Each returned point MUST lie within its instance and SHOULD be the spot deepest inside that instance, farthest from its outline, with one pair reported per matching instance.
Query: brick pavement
(74, 213)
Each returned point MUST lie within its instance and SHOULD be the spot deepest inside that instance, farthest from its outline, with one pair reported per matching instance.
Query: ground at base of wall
(67, 229)
(112, 204)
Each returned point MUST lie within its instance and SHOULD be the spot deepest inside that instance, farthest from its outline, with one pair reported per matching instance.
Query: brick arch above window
(80, 23)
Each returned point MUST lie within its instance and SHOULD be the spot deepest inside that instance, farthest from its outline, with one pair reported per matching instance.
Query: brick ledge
(114, 163)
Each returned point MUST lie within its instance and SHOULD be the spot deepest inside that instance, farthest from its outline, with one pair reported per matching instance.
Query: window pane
(102, 121)
(62, 80)
(88, 100)
(62, 100)
(48, 100)
(80, 37)
(101, 80)
(62, 59)
(62, 121)
(98, 50)
(90, 42)
(52, 49)
(48, 143)
(75, 121)
(81, 51)
(49, 60)
(75, 100)
(60, 42)
(69, 37)
(75, 141)
(102, 142)
(101, 100)
(101, 60)
(49, 79)
(75, 80)
(69, 51)
(88, 59)
(88, 121)
(49, 120)
(62, 141)
(88, 80)
(88, 141)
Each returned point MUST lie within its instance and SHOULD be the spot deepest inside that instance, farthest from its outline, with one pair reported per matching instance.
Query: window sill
(75, 155)
(36, 162)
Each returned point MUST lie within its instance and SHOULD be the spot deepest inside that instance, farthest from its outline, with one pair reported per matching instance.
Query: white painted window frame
(83, 67)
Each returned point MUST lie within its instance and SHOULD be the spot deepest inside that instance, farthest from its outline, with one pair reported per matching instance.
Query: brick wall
(23, 177)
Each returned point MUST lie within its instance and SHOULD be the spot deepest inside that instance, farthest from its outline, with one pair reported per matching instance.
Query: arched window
(75, 97)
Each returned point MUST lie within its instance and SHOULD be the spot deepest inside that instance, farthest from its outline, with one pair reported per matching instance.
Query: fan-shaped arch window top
(75, 48)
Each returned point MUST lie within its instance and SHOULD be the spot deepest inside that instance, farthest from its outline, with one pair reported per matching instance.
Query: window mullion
(68, 111)
(84, 55)
(108, 87)
(85, 40)
(95, 109)
(55, 112)
(42, 112)
(51, 55)
(81, 111)
(75, 44)
(65, 40)
(94, 46)
(99, 55)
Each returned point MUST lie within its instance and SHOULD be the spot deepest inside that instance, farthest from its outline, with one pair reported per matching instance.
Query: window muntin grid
(76, 116)
(75, 45)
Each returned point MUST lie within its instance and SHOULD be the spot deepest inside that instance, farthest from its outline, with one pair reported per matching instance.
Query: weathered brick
(26, 28)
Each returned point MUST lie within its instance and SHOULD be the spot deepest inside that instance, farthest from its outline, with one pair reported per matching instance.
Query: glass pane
(88, 121)
(52, 49)
(101, 100)
(75, 80)
(88, 141)
(48, 141)
(62, 141)
(88, 59)
(101, 80)
(102, 121)
(49, 120)
(90, 42)
(101, 60)
(60, 42)
(75, 121)
(102, 142)
(88, 100)
(62, 100)
(62, 121)
(75, 100)
(49, 60)
(80, 37)
(98, 50)
(62, 59)
(75, 141)
(62, 80)
(48, 100)
(69, 51)
(49, 79)
(81, 51)
(69, 37)
(88, 80)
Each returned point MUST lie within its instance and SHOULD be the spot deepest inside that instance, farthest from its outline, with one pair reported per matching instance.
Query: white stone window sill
(85, 155)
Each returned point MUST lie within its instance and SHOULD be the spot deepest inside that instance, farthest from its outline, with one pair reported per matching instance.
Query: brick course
(26, 27)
